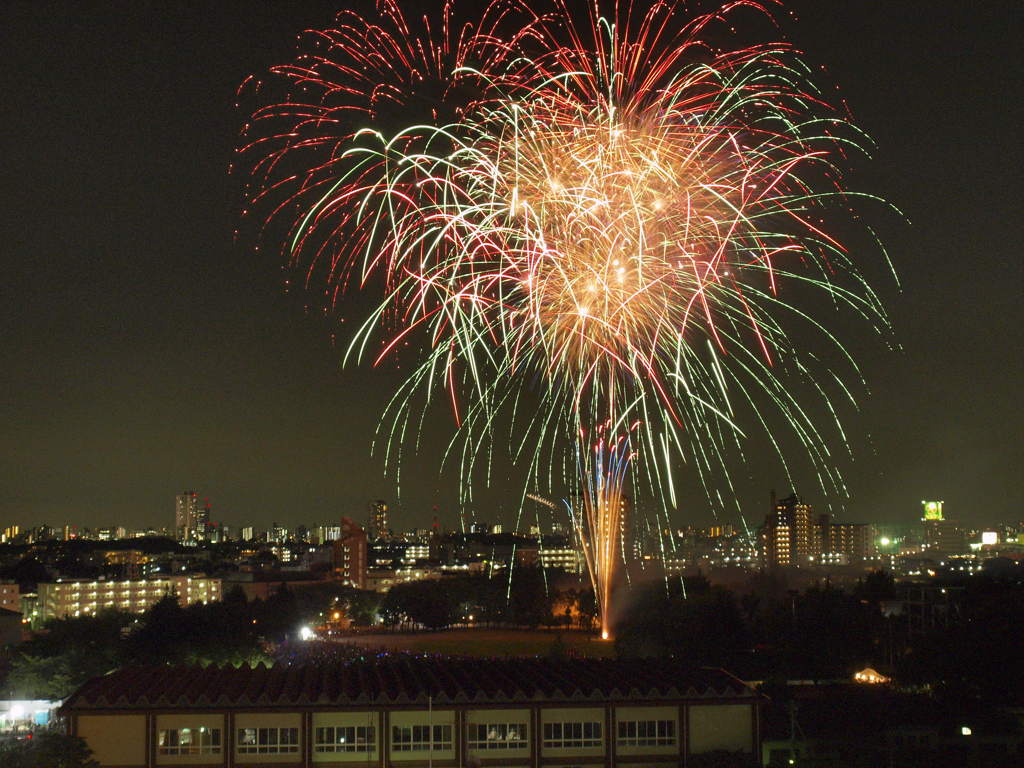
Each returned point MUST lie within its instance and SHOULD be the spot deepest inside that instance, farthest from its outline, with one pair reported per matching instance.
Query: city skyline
(154, 356)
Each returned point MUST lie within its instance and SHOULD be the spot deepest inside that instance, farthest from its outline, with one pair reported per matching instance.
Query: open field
(484, 642)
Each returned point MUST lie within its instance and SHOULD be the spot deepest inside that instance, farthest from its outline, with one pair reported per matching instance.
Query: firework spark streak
(598, 531)
(591, 233)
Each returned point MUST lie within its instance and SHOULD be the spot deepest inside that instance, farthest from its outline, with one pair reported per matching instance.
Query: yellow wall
(647, 713)
(115, 739)
(323, 719)
(485, 716)
(420, 717)
(568, 715)
(721, 726)
(192, 721)
(282, 720)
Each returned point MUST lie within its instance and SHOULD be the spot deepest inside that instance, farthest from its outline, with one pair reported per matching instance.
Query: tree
(48, 750)
(68, 653)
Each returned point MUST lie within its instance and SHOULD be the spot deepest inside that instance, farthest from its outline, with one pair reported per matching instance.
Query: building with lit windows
(350, 555)
(59, 599)
(412, 711)
(186, 516)
(377, 520)
(567, 559)
(793, 536)
(789, 536)
(847, 543)
(10, 597)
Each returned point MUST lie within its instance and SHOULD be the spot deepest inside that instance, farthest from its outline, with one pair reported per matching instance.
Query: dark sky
(144, 353)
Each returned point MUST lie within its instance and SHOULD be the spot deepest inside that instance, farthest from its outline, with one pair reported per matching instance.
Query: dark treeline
(761, 632)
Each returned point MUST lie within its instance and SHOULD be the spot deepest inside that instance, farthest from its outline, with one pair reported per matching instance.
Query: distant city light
(306, 633)
(965, 730)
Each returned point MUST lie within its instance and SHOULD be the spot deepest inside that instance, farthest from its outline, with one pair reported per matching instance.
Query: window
(345, 738)
(416, 738)
(189, 741)
(268, 741)
(647, 733)
(558, 735)
(497, 736)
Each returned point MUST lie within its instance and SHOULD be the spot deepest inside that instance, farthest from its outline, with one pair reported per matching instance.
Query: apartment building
(59, 599)
(409, 712)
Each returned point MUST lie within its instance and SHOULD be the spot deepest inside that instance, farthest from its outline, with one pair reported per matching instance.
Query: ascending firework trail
(582, 221)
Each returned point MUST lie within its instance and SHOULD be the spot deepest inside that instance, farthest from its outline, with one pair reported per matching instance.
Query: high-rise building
(789, 535)
(326, 533)
(186, 515)
(377, 521)
(350, 558)
(848, 543)
(201, 528)
(942, 537)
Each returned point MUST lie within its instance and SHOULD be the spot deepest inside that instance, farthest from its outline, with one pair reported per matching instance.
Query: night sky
(146, 353)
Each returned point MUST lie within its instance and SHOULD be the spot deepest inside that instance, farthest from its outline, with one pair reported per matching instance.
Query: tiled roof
(401, 680)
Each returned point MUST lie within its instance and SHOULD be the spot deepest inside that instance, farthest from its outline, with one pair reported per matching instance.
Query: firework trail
(598, 243)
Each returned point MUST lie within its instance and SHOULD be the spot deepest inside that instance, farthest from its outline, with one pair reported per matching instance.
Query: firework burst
(609, 225)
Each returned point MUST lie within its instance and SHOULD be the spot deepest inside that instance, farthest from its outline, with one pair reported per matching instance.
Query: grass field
(485, 642)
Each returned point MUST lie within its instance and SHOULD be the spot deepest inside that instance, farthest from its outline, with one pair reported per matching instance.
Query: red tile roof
(402, 680)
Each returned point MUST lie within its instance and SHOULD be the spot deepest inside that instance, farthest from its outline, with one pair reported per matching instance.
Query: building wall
(10, 598)
(721, 726)
(115, 740)
(119, 740)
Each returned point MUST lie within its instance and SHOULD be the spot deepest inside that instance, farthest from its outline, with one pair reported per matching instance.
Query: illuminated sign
(989, 538)
(932, 510)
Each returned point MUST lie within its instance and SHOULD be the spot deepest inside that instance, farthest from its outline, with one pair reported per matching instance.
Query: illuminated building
(186, 516)
(349, 555)
(793, 536)
(417, 711)
(10, 597)
(326, 533)
(853, 542)
(565, 558)
(377, 520)
(131, 560)
(61, 599)
(789, 536)
(944, 537)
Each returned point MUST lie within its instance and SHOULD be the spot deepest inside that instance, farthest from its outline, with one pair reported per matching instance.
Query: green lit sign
(932, 510)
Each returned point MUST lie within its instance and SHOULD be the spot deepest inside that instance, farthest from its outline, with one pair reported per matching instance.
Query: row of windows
(497, 736)
(415, 738)
(265, 741)
(345, 738)
(647, 733)
(560, 735)
(189, 741)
